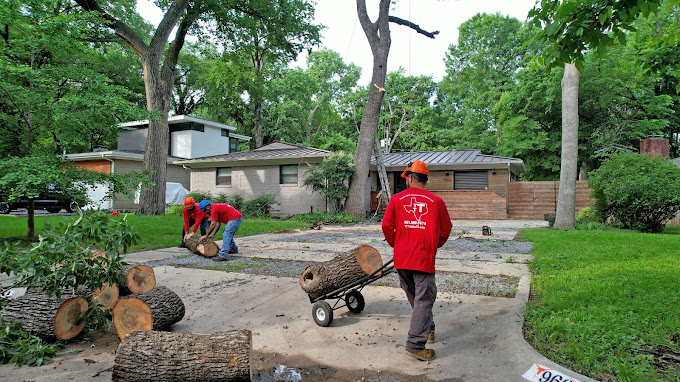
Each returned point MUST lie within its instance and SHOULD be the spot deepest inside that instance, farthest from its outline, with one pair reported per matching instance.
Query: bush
(639, 191)
(325, 217)
(331, 178)
(221, 198)
(259, 207)
(199, 195)
(175, 210)
(586, 215)
(237, 201)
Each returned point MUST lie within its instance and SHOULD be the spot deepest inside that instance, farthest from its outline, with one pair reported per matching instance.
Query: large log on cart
(342, 270)
(136, 279)
(156, 309)
(186, 357)
(207, 247)
(47, 317)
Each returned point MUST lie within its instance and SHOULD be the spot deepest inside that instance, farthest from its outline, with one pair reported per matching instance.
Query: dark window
(470, 180)
(233, 145)
(224, 176)
(289, 174)
(399, 183)
(187, 126)
(225, 133)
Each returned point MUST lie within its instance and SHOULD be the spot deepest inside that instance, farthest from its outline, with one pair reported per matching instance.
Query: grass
(155, 232)
(601, 299)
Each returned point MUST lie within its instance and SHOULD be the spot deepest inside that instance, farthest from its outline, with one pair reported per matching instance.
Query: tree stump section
(156, 309)
(342, 270)
(106, 296)
(187, 357)
(47, 317)
(136, 279)
(207, 247)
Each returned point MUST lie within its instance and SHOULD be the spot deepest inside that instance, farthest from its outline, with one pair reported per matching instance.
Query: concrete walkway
(479, 338)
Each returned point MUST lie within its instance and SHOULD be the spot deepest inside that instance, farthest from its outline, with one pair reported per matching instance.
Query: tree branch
(415, 27)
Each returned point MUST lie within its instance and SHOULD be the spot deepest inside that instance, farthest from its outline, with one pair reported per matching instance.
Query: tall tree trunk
(312, 112)
(258, 124)
(566, 199)
(30, 212)
(378, 35)
(158, 81)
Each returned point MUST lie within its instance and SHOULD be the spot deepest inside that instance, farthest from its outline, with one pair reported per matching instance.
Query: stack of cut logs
(144, 354)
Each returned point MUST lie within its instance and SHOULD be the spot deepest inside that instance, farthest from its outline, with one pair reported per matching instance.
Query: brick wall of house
(250, 182)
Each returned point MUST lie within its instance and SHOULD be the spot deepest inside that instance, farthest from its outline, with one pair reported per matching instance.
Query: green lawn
(601, 299)
(154, 231)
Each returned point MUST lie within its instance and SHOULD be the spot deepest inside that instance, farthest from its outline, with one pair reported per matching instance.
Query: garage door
(470, 180)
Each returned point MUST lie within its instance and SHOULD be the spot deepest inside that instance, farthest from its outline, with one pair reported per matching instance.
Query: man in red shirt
(416, 224)
(222, 213)
(193, 216)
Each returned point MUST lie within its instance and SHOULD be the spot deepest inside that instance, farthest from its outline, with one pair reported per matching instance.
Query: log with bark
(207, 247)
(47, 317)
(156, 309)
(136, 279)
(342, 270)
(162, 356)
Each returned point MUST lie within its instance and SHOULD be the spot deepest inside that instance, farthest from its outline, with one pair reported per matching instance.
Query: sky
(417, 54)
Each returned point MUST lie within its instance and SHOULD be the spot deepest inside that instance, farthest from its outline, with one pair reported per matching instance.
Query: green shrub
(325, 217)
(259, 207)
(639, 191)
(586, 215)
(199, 195)
(221, 198)
(237, 201)
(330, 178)
(175, 210)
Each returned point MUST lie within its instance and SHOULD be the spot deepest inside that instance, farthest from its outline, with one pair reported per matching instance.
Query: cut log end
(130, 314)
(208, 249)
(106, 296)
(141, 278)
(369, 259)
(68, 322)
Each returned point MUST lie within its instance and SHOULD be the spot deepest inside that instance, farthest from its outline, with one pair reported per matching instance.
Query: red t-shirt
(416, 223)
(223, 213)
(195, 214)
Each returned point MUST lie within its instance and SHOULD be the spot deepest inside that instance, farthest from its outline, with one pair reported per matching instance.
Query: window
(224, 176)
(186, 126)
(224, 133)
(289, 174)
(233, 145)
(470, 180)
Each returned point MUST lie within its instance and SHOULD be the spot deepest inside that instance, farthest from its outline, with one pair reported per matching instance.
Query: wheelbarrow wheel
(355, 301)
(322, 313)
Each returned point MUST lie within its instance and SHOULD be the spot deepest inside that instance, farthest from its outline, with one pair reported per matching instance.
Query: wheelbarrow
(347, 296)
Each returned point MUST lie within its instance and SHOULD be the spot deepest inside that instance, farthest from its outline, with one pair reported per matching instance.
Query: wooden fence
(531, 200)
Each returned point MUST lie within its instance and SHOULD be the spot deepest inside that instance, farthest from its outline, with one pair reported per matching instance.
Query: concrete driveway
(479, 338)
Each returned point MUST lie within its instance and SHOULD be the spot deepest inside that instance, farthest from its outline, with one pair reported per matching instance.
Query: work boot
(422, 355)
(218, 258)
(430, 338)
(233, 251)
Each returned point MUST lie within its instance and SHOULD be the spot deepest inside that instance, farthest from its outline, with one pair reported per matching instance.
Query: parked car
(52, 200)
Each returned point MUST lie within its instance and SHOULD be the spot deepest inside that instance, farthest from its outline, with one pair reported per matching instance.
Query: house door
(399, 183)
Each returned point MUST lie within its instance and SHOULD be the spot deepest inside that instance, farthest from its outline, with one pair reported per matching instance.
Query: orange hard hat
(416, 166)
(188, 201)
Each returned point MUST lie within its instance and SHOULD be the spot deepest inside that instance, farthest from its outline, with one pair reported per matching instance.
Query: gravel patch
(448, 282)
(466, 244)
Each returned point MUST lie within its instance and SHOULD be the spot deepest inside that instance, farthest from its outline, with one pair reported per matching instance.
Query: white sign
(539, 373)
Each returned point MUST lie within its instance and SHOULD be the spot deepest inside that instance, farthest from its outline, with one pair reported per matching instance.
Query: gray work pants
(421, 291)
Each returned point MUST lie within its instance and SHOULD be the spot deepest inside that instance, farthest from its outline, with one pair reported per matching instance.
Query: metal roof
(449, 159)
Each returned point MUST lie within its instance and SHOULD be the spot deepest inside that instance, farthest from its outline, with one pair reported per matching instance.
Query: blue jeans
(228, 237)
